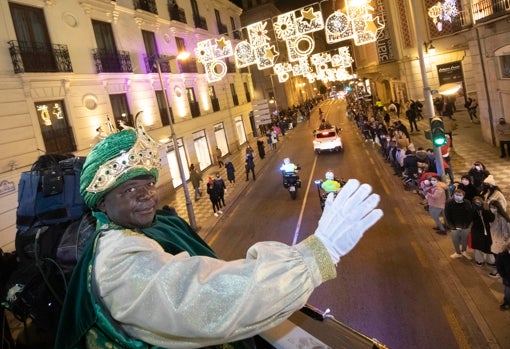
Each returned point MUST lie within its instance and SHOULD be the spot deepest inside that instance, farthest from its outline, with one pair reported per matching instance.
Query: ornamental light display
(293, 30)
(441, 12)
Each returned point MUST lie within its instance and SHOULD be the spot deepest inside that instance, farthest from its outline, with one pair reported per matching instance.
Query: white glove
(346, 218)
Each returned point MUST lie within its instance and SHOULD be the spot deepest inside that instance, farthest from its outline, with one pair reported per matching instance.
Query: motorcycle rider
(288, 169)
(330, 185)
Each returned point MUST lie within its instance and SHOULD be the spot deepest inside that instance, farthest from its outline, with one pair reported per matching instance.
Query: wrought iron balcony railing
(176, 13)
(108, 61)
(151, 65)
(483, 9)
(188, 66)
(222, 29)
(146, 5)
(38, 57)
(200, 22)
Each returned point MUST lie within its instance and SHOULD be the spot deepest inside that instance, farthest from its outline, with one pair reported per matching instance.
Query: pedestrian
(459, 217)
(231, 171)
(220, 187)
(435, 195)
(469, 189)
(147, 279)
(411, 115)
(478, 173)
(500, 233)
(196, 179)
(260, 147)
(503, 267)
(490, 191)
(218, 157)
(449, 126)
(481, 232)
(214, 197)
(503, 132)
(471, 105)
(249, 165)
(274, 139)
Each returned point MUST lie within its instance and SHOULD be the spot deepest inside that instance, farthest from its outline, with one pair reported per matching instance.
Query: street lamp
(189, 205)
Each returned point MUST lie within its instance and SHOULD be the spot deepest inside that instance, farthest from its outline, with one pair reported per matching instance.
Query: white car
(327, 139)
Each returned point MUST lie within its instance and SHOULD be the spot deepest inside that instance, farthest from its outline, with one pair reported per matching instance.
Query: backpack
(53, 227)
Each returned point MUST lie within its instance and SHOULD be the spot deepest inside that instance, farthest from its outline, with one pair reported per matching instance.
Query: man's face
(132, 204)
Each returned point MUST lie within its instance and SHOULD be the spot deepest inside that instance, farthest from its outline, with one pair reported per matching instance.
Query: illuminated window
(57, 134)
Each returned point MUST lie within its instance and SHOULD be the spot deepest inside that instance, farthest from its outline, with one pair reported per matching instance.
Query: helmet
(286, 161)
(330, 175)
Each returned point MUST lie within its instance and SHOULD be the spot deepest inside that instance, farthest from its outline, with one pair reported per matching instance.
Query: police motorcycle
(330, 184)
(291, 179)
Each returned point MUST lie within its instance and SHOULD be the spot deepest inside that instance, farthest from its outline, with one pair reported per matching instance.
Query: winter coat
(230, 171)
(458, 214)
(500, 233)
(480, 230)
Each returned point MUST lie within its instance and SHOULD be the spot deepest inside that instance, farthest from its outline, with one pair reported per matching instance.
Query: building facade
(73, 71)
(469, 47)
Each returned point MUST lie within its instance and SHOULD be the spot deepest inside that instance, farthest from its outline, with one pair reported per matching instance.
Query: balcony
(108, 61)
(235, 99)
(236, 34)
(151, 66)
(200, 22)
(146, 5)
(222, 29)
(176, 13)
(38, 57)
(215, 104)
(187, 66)
(487, 9)
(194, 108)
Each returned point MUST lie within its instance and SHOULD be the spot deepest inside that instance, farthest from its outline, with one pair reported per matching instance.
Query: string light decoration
(441, 12)
(292, 29)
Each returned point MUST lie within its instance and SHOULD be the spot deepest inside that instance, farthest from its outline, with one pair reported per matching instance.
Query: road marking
(459, 335)
(298, 226)
(400, 216)
(420, 254)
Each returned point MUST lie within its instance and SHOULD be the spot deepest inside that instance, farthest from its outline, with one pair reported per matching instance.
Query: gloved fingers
(347, 190)
(352, 202)
(362, 209)
(329, 201)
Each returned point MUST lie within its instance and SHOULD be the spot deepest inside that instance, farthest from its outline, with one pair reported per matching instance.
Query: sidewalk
(468, 147)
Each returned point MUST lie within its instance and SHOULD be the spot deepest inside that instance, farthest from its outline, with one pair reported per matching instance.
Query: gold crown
(143, 155)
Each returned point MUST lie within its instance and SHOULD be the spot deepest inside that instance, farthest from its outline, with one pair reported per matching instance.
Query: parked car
(327, 139)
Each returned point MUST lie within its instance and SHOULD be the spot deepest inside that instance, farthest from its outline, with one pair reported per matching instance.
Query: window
(181, 44)
(193, 104)
(165, 120)
(235, 100)
(214, 100)
(107, 58)
(151, 50)
(120, 109)
(33, 38)
(56, 132)
(505, 66)
(247, 92)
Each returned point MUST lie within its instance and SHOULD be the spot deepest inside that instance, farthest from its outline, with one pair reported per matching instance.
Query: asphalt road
(394, 286)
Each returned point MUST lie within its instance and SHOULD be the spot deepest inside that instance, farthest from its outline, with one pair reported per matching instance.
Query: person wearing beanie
(490, 191)
(146, 279)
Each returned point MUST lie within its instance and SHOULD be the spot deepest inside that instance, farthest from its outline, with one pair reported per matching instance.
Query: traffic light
(437, 131)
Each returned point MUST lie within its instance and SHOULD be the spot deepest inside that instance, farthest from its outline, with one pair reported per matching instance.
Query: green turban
(118, 158)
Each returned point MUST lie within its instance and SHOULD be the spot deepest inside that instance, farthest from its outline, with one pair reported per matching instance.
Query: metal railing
(200, 22)
(188, 66)
(39, 57)
(146, 5)
(176, 13)
(151, 63)
(108, 61)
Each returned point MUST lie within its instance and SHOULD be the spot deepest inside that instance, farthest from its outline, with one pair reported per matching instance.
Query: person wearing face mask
(490, 191)
(500, 230)
(468, 188)
(503, 132)
(480, 232)
(478, 173)
(436, 199)
(459, 217)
